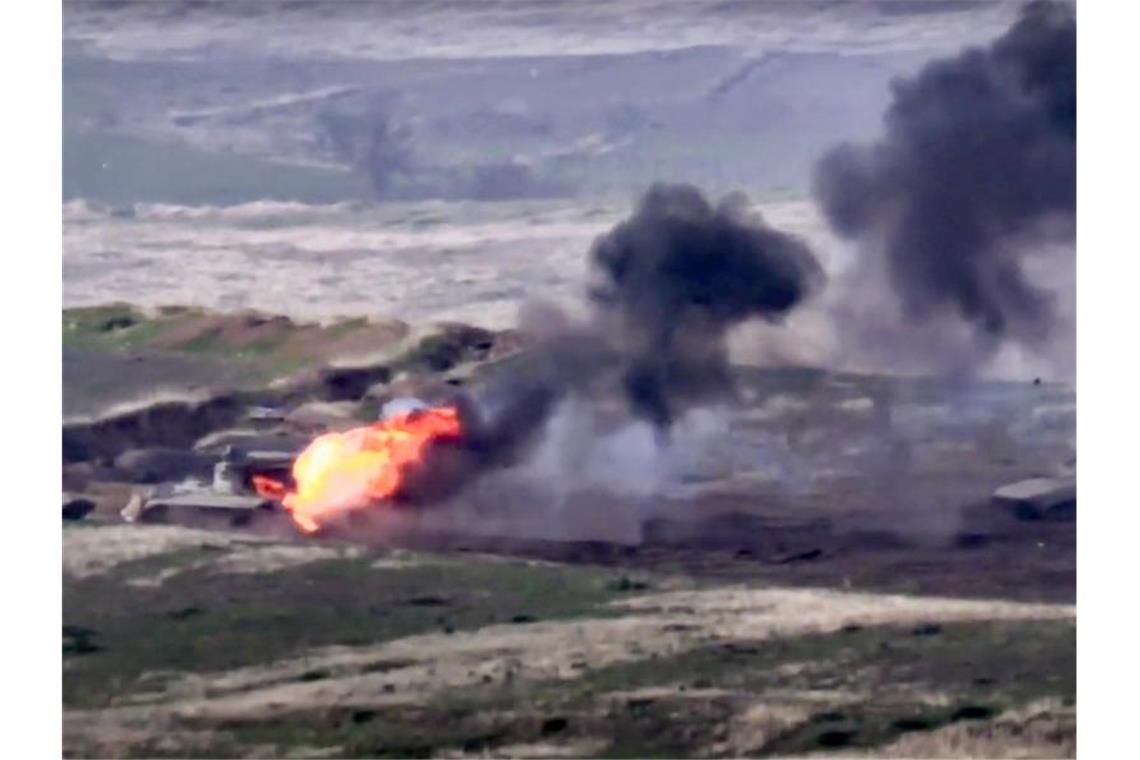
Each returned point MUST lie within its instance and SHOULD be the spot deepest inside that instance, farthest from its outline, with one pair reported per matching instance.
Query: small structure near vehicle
(1039, 498)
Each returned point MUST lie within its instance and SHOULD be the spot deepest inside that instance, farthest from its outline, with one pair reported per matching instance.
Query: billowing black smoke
(675, 277)
(671, 280)
(979, 153)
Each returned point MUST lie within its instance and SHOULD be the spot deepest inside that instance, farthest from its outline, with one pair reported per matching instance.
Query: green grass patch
(199, 621)
(121, 327)
(1007, 661)
(246, 619)
(118, 326)
(984, 669)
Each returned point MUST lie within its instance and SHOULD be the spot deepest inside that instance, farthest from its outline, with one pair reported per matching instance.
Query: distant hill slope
(221, 132)
(118, 169)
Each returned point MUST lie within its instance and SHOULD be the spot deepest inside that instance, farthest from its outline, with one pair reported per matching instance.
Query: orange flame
(340, 472)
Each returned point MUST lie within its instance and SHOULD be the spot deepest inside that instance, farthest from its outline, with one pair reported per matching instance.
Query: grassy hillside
(185, 643)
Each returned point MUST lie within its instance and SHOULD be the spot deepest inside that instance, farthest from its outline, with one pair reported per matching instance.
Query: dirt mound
(234, 331)
(286, 364)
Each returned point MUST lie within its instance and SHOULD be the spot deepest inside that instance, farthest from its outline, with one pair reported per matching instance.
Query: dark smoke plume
(979, 153)
(675, 277)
